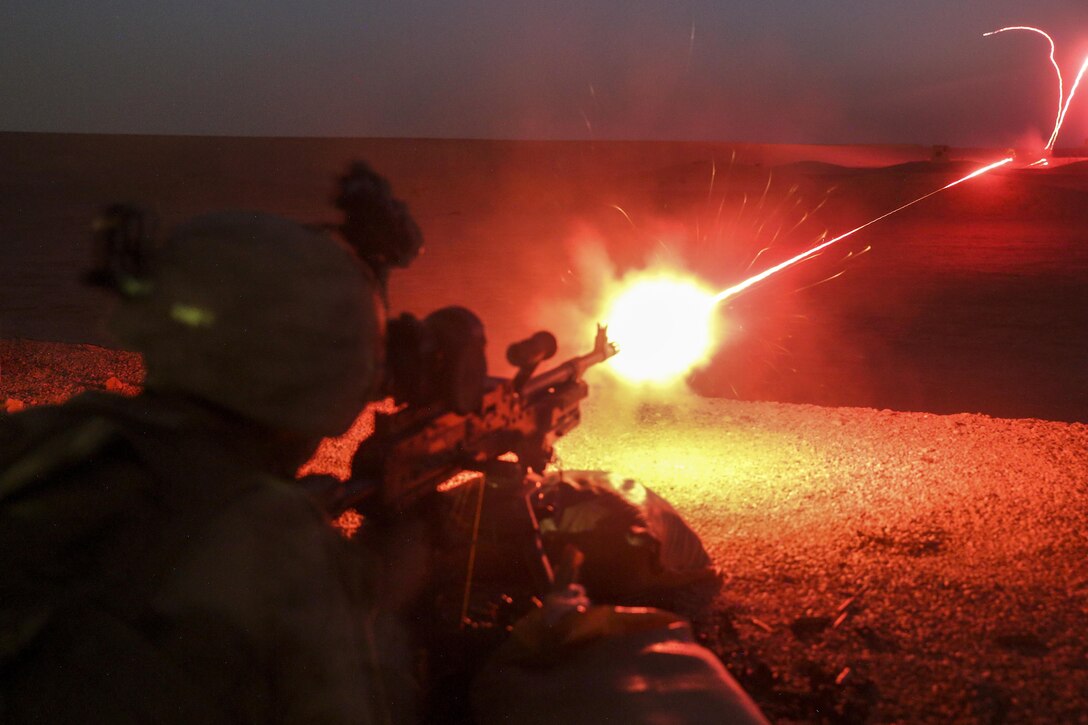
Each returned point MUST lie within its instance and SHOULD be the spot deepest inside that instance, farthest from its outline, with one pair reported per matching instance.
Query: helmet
(259, 315)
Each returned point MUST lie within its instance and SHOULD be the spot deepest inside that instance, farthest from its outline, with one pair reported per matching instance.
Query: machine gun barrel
(573, 369)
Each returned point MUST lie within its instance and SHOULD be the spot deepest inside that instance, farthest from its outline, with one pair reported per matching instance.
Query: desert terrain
(889, 468)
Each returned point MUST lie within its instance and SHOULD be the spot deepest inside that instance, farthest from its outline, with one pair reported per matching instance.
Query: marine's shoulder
(39, 419)
(91, 409)
(49, 439)
(175, 449)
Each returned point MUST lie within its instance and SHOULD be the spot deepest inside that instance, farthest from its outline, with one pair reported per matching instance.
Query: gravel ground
(876, 566)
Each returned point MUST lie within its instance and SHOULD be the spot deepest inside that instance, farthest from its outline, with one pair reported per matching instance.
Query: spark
(838, 274)
(756, 258)
(625, 215)
(1063, 100)
(736, 289)
(766, 190)
(691, 47)
(585, 115)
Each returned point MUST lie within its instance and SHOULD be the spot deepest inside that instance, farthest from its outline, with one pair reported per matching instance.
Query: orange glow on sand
(348, 523)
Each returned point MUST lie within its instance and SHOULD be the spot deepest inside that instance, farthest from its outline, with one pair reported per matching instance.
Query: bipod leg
(542, 571)
(482, 483)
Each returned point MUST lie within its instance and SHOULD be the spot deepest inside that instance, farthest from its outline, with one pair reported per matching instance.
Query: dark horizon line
(505, 139)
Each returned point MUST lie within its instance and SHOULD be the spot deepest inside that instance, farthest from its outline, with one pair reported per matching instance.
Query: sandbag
(634, 541)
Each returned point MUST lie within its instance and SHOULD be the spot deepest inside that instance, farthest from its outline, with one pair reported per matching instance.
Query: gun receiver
(414, 449)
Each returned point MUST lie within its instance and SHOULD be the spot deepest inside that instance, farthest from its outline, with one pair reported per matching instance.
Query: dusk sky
(773, 71)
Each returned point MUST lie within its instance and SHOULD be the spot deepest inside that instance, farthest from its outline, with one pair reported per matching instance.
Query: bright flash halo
(663, 326)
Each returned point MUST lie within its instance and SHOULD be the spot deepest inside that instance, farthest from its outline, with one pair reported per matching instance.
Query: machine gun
(453, 418)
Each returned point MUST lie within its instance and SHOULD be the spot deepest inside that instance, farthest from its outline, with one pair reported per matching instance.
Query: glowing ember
(663, 325)
(1063, 100)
